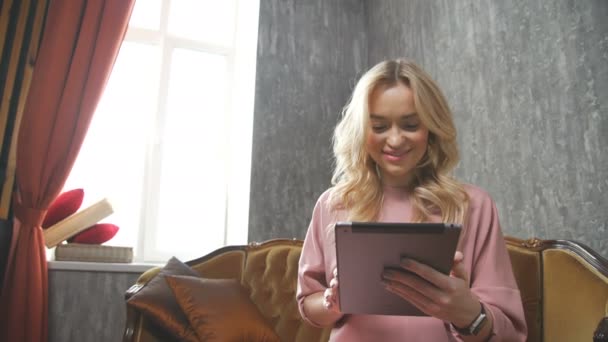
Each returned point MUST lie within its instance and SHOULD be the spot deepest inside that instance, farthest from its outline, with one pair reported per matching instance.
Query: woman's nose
(394, 138)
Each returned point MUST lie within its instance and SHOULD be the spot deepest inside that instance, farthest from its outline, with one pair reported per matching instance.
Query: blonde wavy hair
(357, 185)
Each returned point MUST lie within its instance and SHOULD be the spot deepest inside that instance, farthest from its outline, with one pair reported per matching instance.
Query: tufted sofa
(564, 288)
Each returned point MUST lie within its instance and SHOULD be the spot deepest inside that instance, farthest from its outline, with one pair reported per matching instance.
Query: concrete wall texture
(527, 82)
(309, 53)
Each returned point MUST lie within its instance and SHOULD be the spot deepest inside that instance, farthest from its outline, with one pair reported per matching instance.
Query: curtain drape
(79, 46)
(20, 29)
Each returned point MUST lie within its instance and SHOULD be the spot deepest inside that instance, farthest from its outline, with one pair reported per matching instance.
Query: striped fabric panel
(21, 23)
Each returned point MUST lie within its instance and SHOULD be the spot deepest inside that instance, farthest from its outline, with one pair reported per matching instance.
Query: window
(170, 143)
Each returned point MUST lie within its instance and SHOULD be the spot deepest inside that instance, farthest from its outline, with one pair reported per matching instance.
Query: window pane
(111, 160)
(210, 21)
(192, 204)
(146, 14)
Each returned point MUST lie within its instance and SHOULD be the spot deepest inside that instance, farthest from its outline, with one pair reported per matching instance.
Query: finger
(415, 282)
(330, 295)
(458, 269)
(427, 273)
(329, 300)
(333, 283)
(327, 295)
(333, 294)
(327, 303)
(458, 257)
(413, 296)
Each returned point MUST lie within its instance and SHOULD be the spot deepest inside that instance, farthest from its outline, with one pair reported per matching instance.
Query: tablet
(365, 249)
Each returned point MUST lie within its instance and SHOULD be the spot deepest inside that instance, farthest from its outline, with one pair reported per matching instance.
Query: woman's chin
(396, 176)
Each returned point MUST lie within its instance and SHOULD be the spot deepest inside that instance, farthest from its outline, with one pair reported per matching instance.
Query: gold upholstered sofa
(564, 287)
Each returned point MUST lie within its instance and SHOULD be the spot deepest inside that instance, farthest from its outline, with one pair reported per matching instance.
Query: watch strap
(475, 327)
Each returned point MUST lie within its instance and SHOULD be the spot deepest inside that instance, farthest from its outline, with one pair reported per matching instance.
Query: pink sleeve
(311, 271)
(491, 274)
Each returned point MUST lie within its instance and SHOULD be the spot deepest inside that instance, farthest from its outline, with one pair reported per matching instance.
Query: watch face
(475, 328)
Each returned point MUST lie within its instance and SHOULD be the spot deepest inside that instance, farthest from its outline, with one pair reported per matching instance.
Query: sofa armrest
(573, 283)
(134, 317)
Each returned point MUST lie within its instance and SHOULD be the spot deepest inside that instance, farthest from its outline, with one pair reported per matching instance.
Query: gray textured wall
(309, 53)
(87, 306)
(528, 83)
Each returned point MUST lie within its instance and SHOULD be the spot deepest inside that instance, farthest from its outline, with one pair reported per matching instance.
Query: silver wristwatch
(475, 327)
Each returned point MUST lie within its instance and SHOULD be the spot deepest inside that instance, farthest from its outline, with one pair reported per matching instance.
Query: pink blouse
(485, 258)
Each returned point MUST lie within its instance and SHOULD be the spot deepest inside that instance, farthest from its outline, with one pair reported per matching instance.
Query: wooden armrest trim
(589, 255)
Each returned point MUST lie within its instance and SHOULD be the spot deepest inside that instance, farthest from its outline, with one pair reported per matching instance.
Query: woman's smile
(394, 156)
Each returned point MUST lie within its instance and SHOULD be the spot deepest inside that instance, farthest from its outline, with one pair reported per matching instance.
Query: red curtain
(81, 39)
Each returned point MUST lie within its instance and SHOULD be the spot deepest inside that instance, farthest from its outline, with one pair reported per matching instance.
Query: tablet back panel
(365, 249)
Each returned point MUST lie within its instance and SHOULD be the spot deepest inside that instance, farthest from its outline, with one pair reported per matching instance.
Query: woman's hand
(434, 293)
(330, 296)
(323, 307)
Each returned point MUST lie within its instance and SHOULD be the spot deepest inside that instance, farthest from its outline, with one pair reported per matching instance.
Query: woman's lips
(394, 156)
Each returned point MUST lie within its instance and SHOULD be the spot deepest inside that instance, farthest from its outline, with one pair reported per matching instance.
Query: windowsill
(100, 266)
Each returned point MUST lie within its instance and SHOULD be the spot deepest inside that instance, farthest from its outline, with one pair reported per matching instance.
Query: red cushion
(96, 234)
(63, 206)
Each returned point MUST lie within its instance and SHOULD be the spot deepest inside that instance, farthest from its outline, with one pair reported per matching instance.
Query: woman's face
(397, 139)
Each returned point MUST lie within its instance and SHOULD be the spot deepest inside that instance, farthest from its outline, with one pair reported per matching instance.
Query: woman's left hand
(434, 293)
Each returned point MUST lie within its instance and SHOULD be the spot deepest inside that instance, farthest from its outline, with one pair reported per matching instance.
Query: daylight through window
(170, 145)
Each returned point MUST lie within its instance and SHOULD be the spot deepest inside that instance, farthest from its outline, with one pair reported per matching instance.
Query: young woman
(395, 147)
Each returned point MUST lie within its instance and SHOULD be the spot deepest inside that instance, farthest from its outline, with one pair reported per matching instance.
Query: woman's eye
(378, 128)
(410, 126)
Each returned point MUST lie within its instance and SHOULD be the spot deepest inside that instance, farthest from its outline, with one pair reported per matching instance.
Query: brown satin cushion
(220, 310)
(156, 301)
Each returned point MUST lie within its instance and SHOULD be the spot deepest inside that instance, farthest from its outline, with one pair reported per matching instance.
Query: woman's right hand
(323, 307)
(330, 296)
